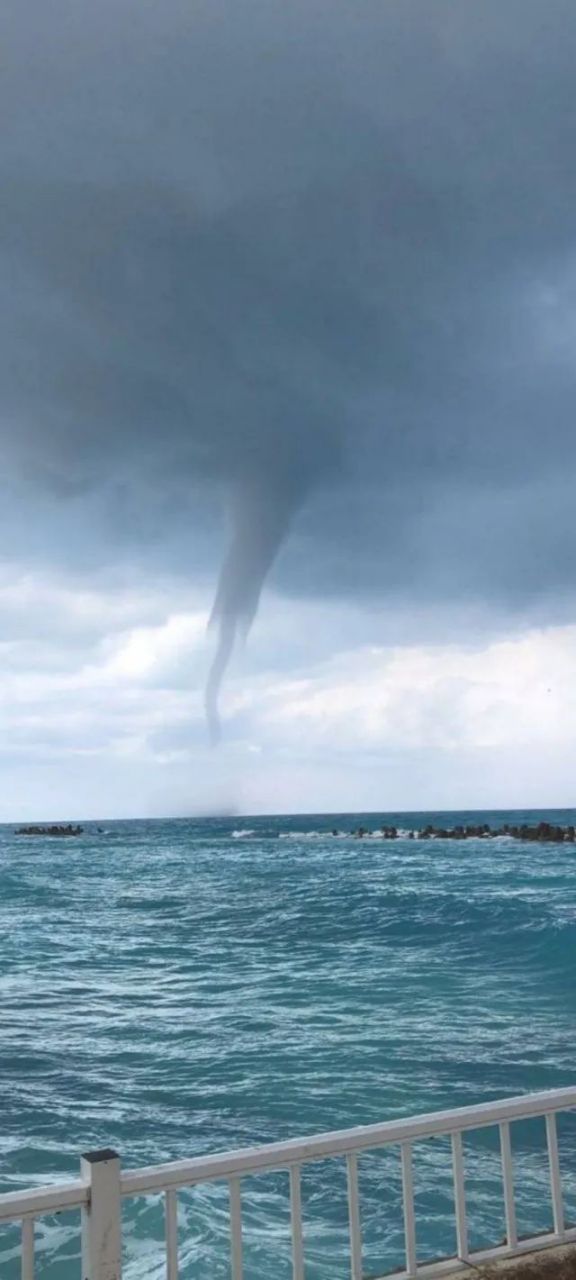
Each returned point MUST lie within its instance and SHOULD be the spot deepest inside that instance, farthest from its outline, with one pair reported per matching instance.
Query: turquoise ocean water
(172, 988)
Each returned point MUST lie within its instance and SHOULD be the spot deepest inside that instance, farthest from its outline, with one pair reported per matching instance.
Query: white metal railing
(102, 1186)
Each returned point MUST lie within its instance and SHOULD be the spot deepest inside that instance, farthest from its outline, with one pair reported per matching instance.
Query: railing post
(101, 1219)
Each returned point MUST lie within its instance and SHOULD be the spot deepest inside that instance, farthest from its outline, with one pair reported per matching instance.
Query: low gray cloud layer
(320, 254)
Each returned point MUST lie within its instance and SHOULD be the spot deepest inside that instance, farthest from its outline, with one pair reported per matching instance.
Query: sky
(287, 312)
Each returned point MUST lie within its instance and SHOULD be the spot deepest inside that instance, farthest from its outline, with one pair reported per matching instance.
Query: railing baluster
(235, 1228)
(296, 1223)
(354, 1217)
(508, 1183)
(460, 1196)
(27, 1249)
(171, 1222)
(555, 1176)
(408, 1197)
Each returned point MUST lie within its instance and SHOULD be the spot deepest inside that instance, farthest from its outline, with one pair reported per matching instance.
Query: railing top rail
(280, 1155)
(50, 1199)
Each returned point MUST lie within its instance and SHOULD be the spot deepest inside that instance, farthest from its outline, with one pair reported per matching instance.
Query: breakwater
(57, 830)
(542, 833)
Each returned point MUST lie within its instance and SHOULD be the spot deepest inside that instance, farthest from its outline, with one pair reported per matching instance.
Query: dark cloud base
(320, 257)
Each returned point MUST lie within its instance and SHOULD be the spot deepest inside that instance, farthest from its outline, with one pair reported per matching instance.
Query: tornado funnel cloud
(224, 649)
(261, 515)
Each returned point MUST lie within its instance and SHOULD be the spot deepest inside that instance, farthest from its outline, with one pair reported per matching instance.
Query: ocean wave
(401, 834)
(305, 835)
(243, 833)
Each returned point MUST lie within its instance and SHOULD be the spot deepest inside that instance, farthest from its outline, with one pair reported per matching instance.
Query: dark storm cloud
(322, 254)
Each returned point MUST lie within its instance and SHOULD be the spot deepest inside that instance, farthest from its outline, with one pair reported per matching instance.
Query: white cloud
(504, 693)
(110, 719)
(147, 651)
